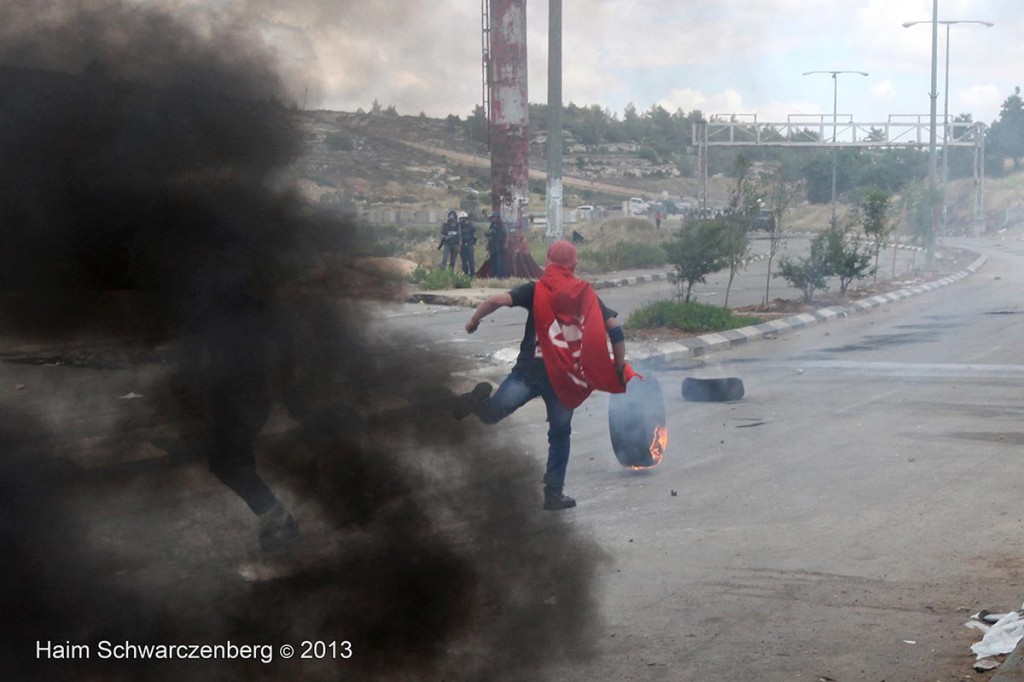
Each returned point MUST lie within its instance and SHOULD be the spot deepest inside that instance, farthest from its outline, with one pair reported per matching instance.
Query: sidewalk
(474, 296)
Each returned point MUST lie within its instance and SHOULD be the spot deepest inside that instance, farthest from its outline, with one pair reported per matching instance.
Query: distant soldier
(496, 238)
(449, 241)
(657, 220)
(467, 250)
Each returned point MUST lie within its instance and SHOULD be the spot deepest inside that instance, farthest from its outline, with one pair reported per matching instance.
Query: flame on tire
(657, 448)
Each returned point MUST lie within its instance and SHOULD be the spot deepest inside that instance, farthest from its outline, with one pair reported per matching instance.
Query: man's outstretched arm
(502, 300)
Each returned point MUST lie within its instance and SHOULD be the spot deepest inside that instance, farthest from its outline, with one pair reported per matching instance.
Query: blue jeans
(519, 388)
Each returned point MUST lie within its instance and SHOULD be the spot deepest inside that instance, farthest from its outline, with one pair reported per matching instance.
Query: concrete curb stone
(710, 342)
(707, 343)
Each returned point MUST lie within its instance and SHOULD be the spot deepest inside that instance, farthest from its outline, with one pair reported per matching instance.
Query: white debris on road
(1002, 632)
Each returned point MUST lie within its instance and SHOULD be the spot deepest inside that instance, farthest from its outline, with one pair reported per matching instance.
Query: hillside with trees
(358, 158)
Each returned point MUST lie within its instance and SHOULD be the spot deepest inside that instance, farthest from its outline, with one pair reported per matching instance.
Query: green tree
(817, 174)
(593, 124)
(1006, 135)
(694, 252)
(476, 125)
(632, 124)
(876, 223)
(736, 248)
(780, 195)
(745, 201)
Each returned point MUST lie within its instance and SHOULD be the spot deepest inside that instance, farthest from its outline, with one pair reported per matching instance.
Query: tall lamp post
(945, 108)
(929, 253)
(555, 152)
(835, 125)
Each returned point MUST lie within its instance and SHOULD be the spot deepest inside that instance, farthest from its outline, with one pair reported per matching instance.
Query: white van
(582, 213)
(638, 206)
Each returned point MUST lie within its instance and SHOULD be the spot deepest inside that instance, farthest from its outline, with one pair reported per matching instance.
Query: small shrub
(648, 154)
(808, 273)
(339, 142)
(594, 261)
(688, 317)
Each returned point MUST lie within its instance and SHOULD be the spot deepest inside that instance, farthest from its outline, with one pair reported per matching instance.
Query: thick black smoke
(144, 167)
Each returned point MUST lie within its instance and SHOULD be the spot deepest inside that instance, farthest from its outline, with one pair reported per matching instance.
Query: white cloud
(725, 102)
(979, 98)
(884, 90)
(721, 56)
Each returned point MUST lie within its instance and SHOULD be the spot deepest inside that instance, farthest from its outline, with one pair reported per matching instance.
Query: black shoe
(278, 529)
(555, 500)
(468, 403)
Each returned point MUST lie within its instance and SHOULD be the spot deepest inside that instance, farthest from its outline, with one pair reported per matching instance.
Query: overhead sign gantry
(824, 130)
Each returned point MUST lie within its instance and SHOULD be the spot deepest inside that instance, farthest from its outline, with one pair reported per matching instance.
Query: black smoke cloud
(144, 167)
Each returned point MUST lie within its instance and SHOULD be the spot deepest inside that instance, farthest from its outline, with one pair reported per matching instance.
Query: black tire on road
(721, 390)
(633, 417)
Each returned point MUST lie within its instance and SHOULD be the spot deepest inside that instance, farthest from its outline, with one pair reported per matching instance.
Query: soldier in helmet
(467, 248)
(449, 241)
(496, 238)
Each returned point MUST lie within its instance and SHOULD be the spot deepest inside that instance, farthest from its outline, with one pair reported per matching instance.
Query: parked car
(583, 212)
(638, 206)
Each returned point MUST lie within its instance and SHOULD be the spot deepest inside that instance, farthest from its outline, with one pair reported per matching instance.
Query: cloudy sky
(719, 56)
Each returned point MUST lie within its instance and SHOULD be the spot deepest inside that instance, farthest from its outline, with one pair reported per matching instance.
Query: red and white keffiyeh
(572, 337)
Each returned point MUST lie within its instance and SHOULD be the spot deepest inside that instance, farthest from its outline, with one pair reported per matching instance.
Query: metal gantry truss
(822, 130)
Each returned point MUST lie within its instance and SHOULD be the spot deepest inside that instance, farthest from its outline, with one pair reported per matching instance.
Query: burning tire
(636, 423)
(712, 390)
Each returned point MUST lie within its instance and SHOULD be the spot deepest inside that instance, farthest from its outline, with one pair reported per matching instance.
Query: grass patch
(599, 258)
(696, 318)
(622, 255)
(439, 279)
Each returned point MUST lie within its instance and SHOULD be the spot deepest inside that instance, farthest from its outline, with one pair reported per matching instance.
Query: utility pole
(932, 154)
(554, 186)
(929, 258)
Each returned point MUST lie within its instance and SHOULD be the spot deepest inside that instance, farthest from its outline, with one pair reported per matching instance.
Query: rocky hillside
(361, 160)
(411, 169)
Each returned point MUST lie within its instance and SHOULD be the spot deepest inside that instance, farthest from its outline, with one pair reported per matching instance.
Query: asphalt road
(841, 522)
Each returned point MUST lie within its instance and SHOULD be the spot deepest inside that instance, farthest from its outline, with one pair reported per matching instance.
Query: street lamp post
(835, 125)
(945, 107)
(929, 253)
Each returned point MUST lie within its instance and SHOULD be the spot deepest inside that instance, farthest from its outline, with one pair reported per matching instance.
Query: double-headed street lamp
(835, 125)
(945, 110)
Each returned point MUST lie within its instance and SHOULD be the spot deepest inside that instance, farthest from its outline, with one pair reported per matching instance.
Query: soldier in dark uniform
(467, 248)
(449, 241)
(496, 238)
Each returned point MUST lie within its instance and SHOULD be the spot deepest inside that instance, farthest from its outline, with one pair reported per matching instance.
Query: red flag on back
(571, 334)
